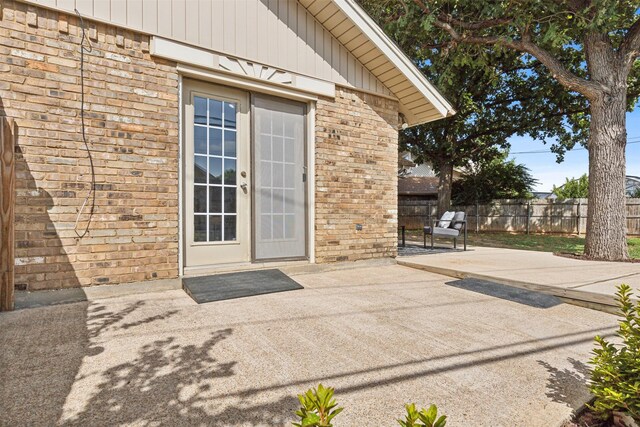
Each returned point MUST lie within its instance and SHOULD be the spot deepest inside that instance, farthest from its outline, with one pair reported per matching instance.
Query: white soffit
(420, 101)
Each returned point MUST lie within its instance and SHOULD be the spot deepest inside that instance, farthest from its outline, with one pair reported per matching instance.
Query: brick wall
(132, 128)
(356, 177)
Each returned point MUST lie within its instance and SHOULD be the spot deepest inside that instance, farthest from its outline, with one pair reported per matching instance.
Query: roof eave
(398, 58)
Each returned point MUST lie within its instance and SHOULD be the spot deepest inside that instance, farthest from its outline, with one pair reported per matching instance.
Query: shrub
(423, 418)
(615, 379)
(317, 408)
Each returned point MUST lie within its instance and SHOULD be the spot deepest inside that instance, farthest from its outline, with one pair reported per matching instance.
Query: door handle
(244, 187)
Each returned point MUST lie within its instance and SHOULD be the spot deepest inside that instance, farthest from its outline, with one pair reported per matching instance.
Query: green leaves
(318, 407)
(423, 418)
(497, 178)
(615, 379)
(573, 188)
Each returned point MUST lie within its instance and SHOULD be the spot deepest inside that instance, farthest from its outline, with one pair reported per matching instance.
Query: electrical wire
(631, 141)
(92, 194)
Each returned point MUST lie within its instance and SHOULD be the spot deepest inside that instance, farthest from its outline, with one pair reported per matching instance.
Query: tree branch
(630, 47)
(588, 88)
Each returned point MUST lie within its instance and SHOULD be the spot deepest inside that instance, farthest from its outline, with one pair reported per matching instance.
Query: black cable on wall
(91, 196)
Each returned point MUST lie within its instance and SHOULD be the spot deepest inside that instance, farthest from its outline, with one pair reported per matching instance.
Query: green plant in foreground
(615, 380)
(317, 408)
(422, 418)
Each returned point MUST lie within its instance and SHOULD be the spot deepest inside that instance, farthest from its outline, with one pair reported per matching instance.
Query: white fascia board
(394, 54)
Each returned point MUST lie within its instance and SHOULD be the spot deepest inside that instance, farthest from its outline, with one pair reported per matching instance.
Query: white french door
(216, 168)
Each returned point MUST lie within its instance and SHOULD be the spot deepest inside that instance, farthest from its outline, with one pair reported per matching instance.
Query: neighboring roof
(544, 195)
(420, 101)
(418, 186)
(405, 163)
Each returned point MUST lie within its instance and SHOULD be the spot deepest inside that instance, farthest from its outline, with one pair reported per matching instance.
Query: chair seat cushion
(448, 232)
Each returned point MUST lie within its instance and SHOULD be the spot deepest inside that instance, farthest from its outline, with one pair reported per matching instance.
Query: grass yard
(532, 242)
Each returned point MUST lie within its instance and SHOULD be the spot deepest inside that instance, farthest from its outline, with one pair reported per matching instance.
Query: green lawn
(532, 242)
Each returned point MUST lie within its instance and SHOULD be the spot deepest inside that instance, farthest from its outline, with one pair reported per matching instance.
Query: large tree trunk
(445, 175)
(606, 221)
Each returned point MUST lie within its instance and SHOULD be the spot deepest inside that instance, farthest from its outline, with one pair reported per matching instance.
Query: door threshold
(240, 266)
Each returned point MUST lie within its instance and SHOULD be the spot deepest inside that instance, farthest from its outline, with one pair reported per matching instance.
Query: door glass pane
(278, 227)
(200, 113)
(289, 226)
(278, 154)
(229, 143)
(215, 112)
(265, 227)
(229, 227)
(229, 171)
(215, 142)
(214, 163)
(215, 199)
(229, 199)
(200, 169)
(215, 170)
(215, 228)
(200, 198)
(200, 140)
(229, 115)
(200, 228)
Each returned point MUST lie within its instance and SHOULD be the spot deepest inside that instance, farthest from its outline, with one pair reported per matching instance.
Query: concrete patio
(591, 283)
(486, 354)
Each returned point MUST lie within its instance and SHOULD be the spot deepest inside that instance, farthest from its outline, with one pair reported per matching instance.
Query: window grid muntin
(223, 128)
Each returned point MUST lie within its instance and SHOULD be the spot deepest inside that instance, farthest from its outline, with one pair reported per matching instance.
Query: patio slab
(486, 354)
(592, 283)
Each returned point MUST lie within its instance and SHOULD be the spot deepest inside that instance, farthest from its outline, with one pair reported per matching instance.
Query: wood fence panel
(535, 216)
(7, 203)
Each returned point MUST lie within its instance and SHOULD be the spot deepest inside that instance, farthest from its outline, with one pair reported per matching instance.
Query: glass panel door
(279, 162)
(216, 165)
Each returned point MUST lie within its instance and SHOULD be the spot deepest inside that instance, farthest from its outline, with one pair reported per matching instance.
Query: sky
(544, 168)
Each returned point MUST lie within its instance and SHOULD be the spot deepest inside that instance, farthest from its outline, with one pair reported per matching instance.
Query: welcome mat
(238, 285)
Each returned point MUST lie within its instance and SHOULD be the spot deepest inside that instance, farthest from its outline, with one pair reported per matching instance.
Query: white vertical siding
(281, 33)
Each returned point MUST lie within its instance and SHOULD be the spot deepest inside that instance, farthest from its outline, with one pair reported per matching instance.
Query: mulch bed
(586, 418)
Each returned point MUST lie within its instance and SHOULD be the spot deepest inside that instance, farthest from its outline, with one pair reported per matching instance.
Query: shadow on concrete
(568, 386)
(43, 350)
(379, 376)
(162, 384)
(521, 296)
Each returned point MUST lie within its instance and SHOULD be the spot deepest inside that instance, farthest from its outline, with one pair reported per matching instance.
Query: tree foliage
(495, 179)
(496, 94)
(590, 47)
(574, 188)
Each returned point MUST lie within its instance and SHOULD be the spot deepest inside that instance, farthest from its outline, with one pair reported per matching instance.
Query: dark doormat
(237, 285)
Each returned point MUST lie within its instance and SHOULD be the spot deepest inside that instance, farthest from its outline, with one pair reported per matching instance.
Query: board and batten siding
(279, 33)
